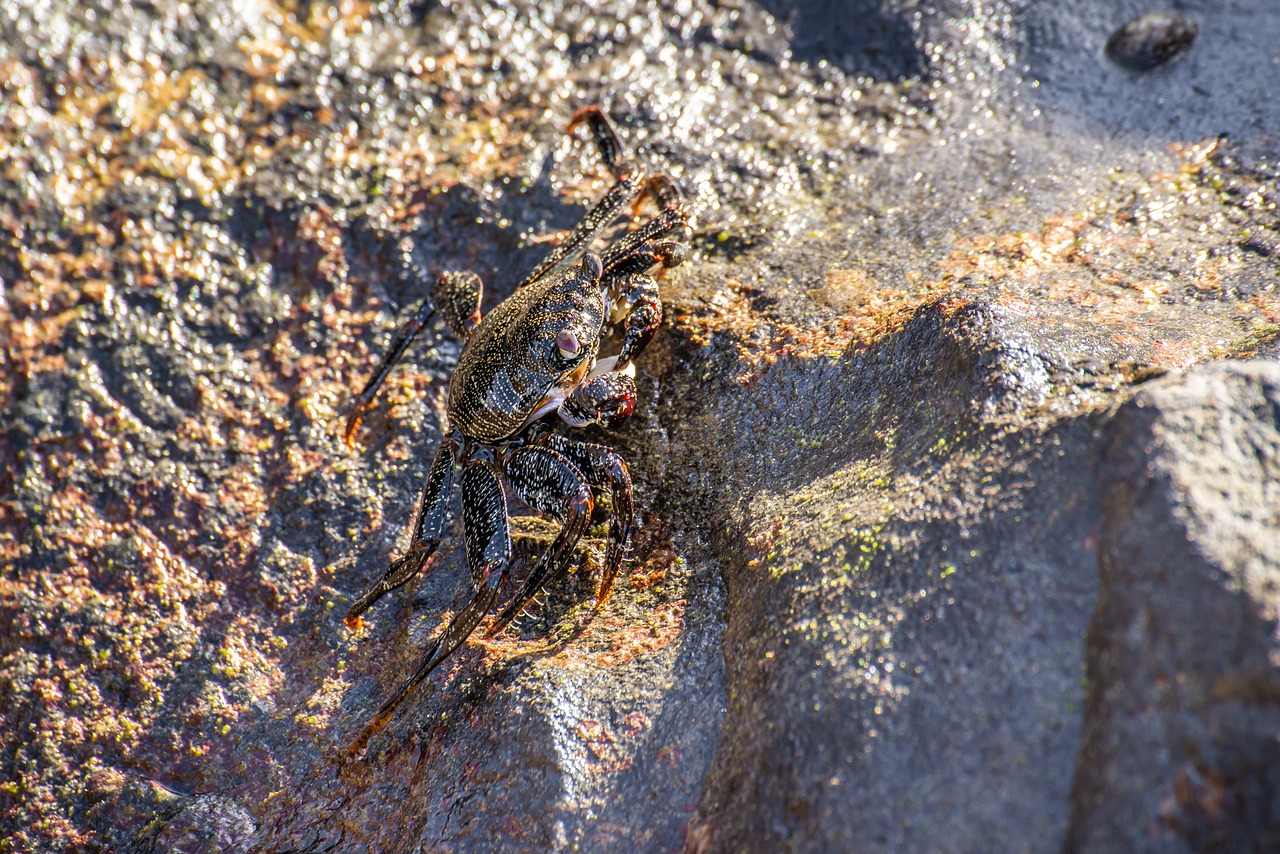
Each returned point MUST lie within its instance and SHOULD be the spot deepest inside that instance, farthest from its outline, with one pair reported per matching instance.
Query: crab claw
(608, 397)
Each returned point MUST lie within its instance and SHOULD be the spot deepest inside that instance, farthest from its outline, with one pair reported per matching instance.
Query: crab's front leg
(458, 295)
(641, 309)
(633, 294)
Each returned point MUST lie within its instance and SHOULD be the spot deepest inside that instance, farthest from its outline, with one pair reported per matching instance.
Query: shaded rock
(865, 37)
(1179, 749)
(1214, 88)
(206, 823)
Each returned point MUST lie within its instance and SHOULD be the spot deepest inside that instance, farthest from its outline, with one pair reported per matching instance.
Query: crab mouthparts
(605, 366)
(553, 400)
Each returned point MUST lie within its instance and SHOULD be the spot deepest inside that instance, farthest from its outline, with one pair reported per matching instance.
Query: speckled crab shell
(511, 370)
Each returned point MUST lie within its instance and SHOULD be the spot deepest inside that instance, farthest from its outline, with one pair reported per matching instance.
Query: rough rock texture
(952, 539)
(1183, 707)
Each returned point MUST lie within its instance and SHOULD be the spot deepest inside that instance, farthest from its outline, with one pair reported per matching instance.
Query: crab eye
(568, 343)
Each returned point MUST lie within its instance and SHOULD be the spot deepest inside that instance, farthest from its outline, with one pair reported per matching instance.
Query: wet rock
(1179, 749)
(925, 277)
(1215, 88)
(861, 37)
(207, 823)
(1151, 40)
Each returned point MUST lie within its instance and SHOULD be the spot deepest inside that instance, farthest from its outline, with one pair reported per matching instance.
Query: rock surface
(1183, 705)
(956, 455)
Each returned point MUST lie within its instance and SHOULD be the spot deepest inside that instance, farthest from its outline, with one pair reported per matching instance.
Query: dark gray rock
(883, 601)
(1216, 88)
(1183, 707)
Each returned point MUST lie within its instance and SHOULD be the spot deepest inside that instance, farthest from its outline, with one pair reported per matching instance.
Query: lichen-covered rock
(933, 256)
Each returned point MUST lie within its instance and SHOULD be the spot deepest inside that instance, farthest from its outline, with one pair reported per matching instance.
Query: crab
(535, 355)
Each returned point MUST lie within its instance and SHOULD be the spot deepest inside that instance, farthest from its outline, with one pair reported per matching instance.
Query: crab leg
(633, 294)
(458, 295)
(638, 300)
(602, 466)
(605, 137)
(427, 529)
(663, 191)
(404, 337)
(550, 484)
(619, 257)
(630, 184)
(488, 535)
(600, 217)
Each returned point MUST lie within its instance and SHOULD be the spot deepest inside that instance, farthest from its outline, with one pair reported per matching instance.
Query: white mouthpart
(605, 366)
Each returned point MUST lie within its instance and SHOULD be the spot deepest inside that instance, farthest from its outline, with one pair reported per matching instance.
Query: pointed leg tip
(354, 617)
(500, 624)
(360, 746)
(352, 427)
(580, 115)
